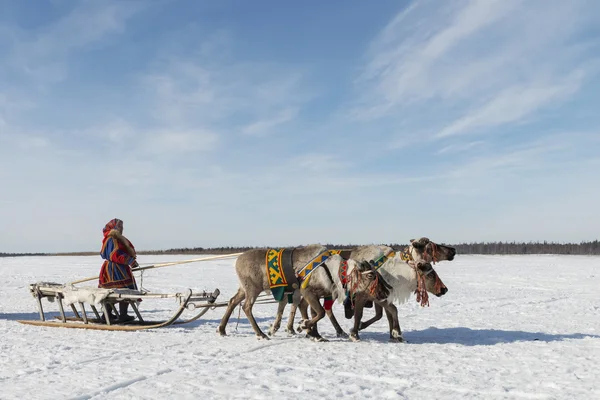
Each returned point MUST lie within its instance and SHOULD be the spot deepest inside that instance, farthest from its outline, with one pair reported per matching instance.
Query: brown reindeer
(251, 271)
(404, 279)
(422, 250)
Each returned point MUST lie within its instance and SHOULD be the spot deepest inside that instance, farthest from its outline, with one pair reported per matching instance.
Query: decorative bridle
(421, 291)
(351, 281)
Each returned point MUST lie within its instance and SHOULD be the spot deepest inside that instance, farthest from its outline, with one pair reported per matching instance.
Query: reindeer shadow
(485, 337)
(230, 325)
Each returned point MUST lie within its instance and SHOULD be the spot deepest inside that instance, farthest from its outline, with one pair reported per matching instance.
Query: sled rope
(162, 265)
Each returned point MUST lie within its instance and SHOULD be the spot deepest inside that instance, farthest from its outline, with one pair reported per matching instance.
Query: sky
(268, 123)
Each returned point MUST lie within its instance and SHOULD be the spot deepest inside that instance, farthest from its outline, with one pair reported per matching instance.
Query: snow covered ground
(510, 327)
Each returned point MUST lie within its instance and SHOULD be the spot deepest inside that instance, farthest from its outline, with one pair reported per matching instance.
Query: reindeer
(251, 271)
(421, 250)
(404, 277)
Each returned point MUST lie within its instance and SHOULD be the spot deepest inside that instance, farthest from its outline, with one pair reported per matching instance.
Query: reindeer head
(364, 279)
(425, 250)
(427, 275)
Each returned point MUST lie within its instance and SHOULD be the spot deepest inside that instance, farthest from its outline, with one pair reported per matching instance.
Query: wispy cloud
(169, 141)
(471, 66)
(514, 104)
(256, 97)
(265, 126)
(518, 165)
(459, 147)
(42, 53)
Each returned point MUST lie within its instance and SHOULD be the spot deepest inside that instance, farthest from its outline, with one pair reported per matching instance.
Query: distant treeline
(22, 254)
(583, 248)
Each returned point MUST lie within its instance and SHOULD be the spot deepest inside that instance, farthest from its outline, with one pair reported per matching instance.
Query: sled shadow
(31, 315)
(476, 337)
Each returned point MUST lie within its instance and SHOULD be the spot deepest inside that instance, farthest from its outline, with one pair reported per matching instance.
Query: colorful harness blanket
(306, 272)
(281, 274)
(282, 277)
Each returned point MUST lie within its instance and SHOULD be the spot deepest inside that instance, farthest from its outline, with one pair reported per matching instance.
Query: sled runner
(106, 299)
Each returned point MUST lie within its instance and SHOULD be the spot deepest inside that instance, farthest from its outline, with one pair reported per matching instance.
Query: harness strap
(343, 273)
(288, 270)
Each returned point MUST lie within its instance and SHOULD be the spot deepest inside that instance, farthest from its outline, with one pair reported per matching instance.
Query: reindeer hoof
(221, 332)
(354, 337)
(342, 334)
(396, 336)
(290, 331)
(316, 338)
(263, 336)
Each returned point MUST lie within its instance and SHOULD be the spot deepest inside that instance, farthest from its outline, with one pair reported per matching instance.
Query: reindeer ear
(412, 240)
(365, 266)
(417, 244)
(424, 240)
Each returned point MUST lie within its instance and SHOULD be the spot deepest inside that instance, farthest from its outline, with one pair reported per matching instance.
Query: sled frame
(54, 293)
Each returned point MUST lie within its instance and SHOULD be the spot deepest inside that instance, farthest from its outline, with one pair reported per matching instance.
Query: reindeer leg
(359, 304)
(233, 302)
(303, 306)
(314, 332)
(391, 313)
(377, 317)
(338, 329)
(247, 307)
(277, 323)
(297, 299)
(318, 313)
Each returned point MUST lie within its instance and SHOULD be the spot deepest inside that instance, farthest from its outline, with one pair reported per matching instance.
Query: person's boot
(123, 317)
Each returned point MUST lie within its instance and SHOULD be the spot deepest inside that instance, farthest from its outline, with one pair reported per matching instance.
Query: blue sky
(205, 123)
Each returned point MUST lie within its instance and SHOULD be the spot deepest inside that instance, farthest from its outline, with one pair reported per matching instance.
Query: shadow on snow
(474, 337)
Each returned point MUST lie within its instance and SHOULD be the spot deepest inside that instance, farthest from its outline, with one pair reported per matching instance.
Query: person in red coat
(120, 257)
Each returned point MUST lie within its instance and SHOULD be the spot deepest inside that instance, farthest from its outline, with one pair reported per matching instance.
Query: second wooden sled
(106, 298)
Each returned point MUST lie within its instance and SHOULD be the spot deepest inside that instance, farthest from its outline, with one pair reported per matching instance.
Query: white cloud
(465, 65)
(456, 148)
(176, 142)
(264, 127)
(255, 98)
(41, 53)
(513, 104)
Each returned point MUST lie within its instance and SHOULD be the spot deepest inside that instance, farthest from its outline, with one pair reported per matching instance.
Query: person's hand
(134, 264)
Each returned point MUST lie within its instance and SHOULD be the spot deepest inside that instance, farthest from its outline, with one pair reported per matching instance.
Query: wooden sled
(107, 298)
